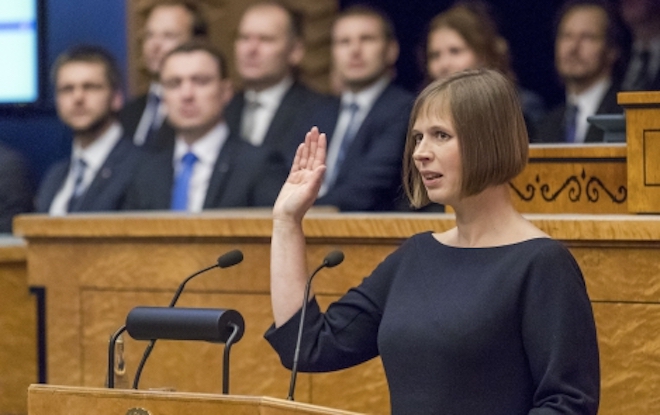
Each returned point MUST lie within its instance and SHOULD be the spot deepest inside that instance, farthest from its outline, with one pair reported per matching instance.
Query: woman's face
(448, 53)
(437, 156)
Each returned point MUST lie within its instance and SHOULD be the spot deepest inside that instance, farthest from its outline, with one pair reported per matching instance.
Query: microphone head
(231, 258)
(333, 259)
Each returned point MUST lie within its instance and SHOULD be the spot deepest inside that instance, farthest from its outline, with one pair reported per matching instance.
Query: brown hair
(199, 27)
(198, 45)
(90, 54)
(474, 24)
(486, 115)
(369, 11)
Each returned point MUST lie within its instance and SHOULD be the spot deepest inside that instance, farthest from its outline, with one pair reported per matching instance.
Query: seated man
(88, 96)
(366, 127)
(587, 46)
(207, 167)
(15, 188)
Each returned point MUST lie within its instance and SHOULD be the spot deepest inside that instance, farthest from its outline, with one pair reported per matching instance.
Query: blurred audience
(268, 49)
(587, 46)
(87, 96)
(207, 167)
(168, 24)
(366, 126)
(642, 17)
(466, 37)
(16, 190)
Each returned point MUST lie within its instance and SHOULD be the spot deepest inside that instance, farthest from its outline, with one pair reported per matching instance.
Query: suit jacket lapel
(218, 181)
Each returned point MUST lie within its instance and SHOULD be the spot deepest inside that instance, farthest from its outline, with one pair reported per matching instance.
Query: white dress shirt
(150, 116)
(207, 149)
(94, 155)
(588, 103)
(269, 101)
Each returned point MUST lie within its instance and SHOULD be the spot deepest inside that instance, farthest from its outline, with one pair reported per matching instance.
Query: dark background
(38, 134)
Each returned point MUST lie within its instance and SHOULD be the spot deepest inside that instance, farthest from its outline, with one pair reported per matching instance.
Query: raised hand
(305, 178)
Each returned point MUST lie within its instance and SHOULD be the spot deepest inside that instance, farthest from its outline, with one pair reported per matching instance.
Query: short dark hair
(90, 54)
(296, 25)
(485, 111)
(365, 10)
(614, 32)
(198, 45)
(199, 29)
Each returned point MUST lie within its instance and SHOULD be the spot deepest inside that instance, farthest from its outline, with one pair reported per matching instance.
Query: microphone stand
(225, 357)
(152, 343)
(296, 354)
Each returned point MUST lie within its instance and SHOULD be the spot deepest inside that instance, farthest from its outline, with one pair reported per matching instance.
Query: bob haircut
(485, 112)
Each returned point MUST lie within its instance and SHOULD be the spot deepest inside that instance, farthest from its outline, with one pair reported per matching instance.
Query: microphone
(226, 260)
(331, 260)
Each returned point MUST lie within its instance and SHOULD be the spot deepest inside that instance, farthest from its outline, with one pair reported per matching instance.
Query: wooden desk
(18, 331)
(96, 268)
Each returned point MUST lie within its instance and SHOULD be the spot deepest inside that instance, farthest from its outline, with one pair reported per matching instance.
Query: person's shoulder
(397, 93)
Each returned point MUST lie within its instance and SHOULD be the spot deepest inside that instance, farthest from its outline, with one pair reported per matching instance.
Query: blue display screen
(19, 52)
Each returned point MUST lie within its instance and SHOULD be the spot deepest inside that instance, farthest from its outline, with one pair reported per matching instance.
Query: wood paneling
(18, 331)
(223, 18)
(97, 267)
(643, 138)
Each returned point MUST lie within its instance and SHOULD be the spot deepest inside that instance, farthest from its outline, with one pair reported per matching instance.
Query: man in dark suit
(15, 188)
(88, 96)
(366, 128)
(587, 46)
(206, 167)
(268, 49)
(643, 19)
(168, 24)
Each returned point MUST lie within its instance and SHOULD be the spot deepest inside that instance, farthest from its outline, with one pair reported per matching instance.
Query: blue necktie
(79, 167)
(182, 182)
(571, 122)
(347, 140)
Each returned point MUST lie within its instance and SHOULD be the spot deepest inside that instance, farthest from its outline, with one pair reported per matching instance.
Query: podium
(64, 400)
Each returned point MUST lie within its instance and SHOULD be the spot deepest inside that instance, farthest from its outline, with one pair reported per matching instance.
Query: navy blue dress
(503, 330)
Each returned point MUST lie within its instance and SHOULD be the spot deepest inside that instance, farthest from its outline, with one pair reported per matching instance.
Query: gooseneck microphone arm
(229, 259)
(333, 259)
(152, 343)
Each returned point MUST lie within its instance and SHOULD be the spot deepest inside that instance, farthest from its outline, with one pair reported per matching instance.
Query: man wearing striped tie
(88, 96)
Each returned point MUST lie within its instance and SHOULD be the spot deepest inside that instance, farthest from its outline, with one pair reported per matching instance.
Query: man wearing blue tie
(206, 167)
(366, 127)
(88, 96)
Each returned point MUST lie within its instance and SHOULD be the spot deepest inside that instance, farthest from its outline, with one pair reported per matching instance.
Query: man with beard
(367, 126)
(88, 96)
(587, 47)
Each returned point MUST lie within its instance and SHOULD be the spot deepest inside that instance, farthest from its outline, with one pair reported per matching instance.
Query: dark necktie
(79, 167)
(182, 182)
(570, 120)
(347, 140)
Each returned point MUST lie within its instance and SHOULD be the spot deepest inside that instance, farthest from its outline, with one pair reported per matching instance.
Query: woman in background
(466, 37)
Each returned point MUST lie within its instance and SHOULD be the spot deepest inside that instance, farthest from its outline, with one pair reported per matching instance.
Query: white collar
(367, 96)
(206, 148)
(98, 150)
(271, 96)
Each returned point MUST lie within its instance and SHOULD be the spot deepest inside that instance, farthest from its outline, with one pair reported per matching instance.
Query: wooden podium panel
(18, 329)
(643, 137)
(573, 178)
(63, 400)
(97, 267)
